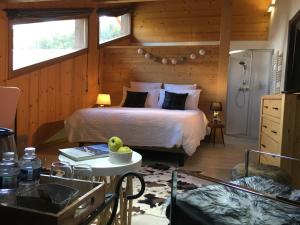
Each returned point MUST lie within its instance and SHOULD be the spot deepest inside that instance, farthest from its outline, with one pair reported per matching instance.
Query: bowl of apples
(117, 152)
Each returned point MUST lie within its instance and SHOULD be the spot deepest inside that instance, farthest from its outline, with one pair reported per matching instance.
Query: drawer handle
(265, 126)
(266, 106)
(263, 145)
(273, 131)
(275, 108)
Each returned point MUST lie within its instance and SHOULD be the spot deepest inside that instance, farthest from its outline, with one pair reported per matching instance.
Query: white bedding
(149, 127)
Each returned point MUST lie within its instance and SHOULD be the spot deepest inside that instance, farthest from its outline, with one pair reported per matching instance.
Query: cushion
(191, 101)
(174, 101)
(135, 99)
(177, 87)
(145, 85)
(151, 100)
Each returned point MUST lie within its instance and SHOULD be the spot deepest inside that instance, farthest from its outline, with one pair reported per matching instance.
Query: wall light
(271, 8)
(236, 51)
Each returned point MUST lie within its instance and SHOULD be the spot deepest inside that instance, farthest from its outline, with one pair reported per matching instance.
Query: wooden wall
(122, 64)
(250, 20)
(50, 94)
(177, 20)
(184, 21)
(199, 20)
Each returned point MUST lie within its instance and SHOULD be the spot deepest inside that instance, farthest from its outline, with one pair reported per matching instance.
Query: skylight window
(112, 28)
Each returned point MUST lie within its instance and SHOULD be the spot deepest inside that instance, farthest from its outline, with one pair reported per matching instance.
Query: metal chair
(114, 198)
(180, 213)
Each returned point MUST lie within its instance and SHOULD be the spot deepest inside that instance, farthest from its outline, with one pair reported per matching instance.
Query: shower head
(243, 64)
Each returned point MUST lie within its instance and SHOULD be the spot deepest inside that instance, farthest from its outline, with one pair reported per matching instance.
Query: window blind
(46, 14)
(115, 12)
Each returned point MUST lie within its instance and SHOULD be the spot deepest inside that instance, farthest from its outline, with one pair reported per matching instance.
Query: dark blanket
(221, 205)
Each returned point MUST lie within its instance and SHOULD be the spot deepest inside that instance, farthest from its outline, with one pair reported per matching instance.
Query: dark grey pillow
(135, 99)
(174, 101)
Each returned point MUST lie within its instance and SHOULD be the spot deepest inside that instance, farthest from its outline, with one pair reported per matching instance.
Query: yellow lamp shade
(103, 99)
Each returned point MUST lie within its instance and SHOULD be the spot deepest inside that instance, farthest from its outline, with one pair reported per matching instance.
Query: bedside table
(214, 126)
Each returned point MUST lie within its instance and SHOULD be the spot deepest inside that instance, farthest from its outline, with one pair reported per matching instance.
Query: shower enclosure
(249, 79)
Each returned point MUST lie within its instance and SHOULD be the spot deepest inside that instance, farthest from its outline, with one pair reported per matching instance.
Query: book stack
(86, 152)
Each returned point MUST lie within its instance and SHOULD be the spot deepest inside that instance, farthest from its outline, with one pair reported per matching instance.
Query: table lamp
(216, 107)
(103, 99)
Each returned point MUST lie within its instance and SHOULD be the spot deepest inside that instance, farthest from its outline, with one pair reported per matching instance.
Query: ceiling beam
(78, 1)
(66, 3)
(126, 1)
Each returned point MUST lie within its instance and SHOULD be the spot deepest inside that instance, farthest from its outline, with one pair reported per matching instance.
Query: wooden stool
(214, 126)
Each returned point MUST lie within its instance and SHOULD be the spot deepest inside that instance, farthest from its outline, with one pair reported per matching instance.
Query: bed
(144, 127)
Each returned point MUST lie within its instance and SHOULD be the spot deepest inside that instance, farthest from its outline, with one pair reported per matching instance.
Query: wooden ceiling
(65, 3)
(81, 1)
(237, 4)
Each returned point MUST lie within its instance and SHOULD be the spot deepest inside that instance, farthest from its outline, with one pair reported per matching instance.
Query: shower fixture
(243, 64)
(243, 88)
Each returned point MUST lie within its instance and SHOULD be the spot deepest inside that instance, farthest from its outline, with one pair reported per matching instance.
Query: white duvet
(148, 127)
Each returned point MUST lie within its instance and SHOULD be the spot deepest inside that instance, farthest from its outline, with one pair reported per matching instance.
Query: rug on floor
(158, 188)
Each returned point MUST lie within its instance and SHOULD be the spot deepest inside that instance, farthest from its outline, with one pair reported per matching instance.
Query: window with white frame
(112, 27)
(41, 41)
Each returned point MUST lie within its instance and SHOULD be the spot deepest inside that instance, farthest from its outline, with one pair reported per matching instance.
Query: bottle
(30, 167)
(9, 173)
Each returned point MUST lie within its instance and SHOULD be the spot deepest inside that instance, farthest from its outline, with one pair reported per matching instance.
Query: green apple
(114, 143)
(125, 149)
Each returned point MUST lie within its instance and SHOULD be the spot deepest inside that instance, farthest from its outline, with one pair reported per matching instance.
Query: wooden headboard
(122, 64)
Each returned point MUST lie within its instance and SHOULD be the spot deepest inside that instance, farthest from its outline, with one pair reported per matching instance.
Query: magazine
(86, 152)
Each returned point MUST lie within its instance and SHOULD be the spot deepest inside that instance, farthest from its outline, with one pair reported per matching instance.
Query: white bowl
(119, 158)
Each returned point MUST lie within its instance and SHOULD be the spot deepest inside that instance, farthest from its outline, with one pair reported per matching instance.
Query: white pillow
(151, 100)
(191, 102)
(177, 87)
(145, 85)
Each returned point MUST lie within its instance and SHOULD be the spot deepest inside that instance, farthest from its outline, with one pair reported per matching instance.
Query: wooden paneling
(199, 20)
(3, 47)
(49, 95)
(250, 20)
(93, 61)
(122, 64)
(177, 20)
(225, 36)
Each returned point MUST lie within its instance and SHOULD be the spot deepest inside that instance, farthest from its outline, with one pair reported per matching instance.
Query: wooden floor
(215, 161)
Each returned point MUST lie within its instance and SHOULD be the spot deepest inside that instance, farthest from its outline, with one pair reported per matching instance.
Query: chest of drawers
(280, 129)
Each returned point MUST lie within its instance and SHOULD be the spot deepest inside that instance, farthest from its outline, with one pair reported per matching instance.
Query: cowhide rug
(158, 188)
